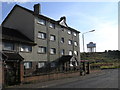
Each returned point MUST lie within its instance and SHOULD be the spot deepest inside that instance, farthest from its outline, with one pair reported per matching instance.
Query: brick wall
(50, 77)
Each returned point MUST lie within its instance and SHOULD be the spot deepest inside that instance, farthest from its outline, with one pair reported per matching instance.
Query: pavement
(57, 83)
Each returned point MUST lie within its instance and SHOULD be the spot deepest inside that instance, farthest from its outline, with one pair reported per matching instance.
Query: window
(62, 28)
(42, 21)
(62, 52)
(41, 35)
(69, 32)
(74, 33)
(52, 25)
(53, 64)
(41, 49)
(8, 46)
(62, 40)
(75, 43)
(52, 37)
(75, 52)
(25, 48)
(52, 51)
(28, 65)
(69, 42)
(70, 52)
(41, 64)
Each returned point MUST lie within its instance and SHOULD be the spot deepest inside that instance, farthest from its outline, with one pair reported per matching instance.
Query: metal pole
(83, 42)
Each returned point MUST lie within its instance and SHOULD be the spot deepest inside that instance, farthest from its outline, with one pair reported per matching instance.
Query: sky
(84, 17)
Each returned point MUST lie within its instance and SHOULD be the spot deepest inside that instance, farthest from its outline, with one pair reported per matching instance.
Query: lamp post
(83, 38)
(84, 66)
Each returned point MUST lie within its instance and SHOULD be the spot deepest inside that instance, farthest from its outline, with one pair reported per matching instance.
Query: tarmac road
(109, 79)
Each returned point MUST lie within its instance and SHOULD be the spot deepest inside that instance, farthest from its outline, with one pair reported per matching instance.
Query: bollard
(88, 68)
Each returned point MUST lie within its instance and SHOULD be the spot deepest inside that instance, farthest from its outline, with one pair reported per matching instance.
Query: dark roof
(13, 56)
(3, 56)
(65, 58)
(32, 12)
(14, 35)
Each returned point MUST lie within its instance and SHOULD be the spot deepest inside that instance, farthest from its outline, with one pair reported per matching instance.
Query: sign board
(91, 45)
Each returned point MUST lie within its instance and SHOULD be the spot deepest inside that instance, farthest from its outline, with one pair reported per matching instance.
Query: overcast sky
(83, 16)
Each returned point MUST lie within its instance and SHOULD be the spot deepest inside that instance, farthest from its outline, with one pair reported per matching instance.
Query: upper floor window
(70, 52)
(41, 35)
(52, 37)
(41, 64)
(69, 42)
(41, 49)
(28, 65)
(62, 28)
(69, 32)
(75, 43)
(75, 52)
(74, 33)
(52, 25)
(25, 48)
(62, 40)
(42, 21)
(8, 46)
(62, 52)
(52, 51)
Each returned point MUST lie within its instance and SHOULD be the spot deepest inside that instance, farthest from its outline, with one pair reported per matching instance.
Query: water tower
(91, 47)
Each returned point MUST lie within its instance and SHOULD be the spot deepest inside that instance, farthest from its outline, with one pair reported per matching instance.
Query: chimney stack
(37, 9)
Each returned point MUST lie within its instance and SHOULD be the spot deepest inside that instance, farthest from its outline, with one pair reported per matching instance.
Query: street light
(83, 38)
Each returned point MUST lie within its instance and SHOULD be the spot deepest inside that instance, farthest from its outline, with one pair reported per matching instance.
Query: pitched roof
(65, 58)
(32, 12)
(13, 56)
(15, 35)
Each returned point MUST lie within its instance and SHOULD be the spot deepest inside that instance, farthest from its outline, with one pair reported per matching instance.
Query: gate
(12, 73)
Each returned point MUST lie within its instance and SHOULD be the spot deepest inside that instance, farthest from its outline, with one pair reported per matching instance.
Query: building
(35, 43)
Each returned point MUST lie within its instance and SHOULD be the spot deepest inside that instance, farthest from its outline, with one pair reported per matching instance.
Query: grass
(108, 67)
(104, 65)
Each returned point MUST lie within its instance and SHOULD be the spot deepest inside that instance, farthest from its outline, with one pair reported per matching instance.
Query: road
(103, 79)
(109, 79)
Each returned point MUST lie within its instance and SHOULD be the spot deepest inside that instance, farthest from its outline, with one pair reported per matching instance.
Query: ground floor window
(41, 64)
(27, 65)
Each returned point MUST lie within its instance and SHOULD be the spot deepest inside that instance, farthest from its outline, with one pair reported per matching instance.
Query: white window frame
(41, 21)
(75, 43)
(76, 53)
(63, 52)
(69, 32)
(25, 48)
(28, 65)
(41, 35)
(70, 52)
(70, 42)
(41, 64)
(62, 40)
(52, 51)
(75, 34)
(8, 46)
(52, 25)
(42, 49)
(52, 37)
